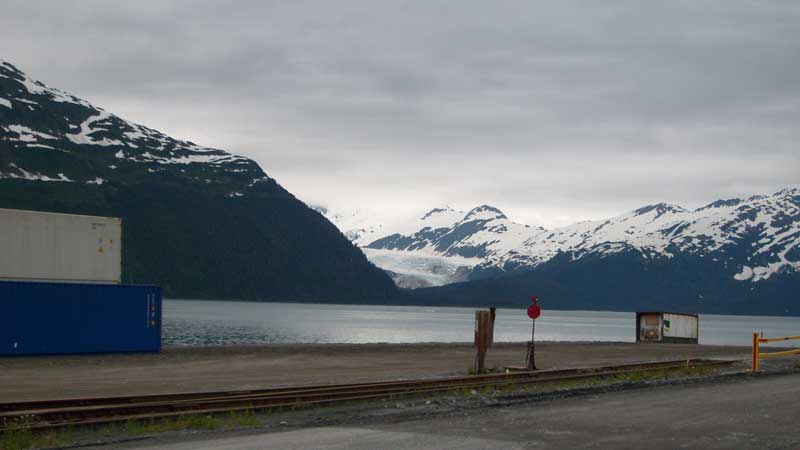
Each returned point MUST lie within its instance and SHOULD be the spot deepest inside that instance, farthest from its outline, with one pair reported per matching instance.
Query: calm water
(193, 322)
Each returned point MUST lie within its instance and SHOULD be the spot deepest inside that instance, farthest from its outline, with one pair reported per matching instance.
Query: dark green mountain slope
(199, 222)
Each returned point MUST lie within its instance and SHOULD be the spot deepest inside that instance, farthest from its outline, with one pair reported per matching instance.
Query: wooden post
(754, 367)
(492, 315)
(484, 336)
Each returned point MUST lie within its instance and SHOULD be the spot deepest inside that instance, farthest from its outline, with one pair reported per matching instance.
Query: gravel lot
(225, 368)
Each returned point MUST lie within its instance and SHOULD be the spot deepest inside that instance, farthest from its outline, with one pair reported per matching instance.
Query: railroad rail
(90, 411)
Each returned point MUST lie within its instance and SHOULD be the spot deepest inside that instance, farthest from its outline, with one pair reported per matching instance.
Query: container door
(649, 327)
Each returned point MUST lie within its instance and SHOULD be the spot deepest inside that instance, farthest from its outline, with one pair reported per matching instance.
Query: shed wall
(680, 326)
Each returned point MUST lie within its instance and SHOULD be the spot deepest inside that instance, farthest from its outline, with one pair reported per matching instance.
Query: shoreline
(520, 307)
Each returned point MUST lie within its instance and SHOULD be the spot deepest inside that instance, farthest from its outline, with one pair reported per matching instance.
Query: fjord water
(198, 323)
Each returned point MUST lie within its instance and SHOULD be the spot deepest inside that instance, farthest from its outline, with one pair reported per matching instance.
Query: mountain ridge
(751, 239)
(198, 221)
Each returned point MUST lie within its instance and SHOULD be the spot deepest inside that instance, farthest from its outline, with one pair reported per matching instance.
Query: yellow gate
(760, 339)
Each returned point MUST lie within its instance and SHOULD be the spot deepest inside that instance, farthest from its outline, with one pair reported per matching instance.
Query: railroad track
(89, 411)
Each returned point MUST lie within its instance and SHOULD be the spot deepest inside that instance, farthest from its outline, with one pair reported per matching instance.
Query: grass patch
(600, 380)
(22, 437)
(233, 419)
(663, 374)
(25, 438)
(240, 419)
(16, 440)
(140, 427)
(472, 371)
(633, 377)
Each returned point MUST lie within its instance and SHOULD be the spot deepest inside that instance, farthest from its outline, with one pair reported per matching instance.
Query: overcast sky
(552, 111)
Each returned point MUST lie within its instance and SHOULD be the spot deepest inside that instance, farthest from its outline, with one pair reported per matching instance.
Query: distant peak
(485, 212)
(791, 192)
(659, 208)
(721, 204)
(6, 69)
(435, 211)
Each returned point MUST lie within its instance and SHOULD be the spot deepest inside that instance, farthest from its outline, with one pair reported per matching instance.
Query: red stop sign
(534, 311)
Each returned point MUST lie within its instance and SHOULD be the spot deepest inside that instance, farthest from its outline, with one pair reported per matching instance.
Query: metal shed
(667, 327)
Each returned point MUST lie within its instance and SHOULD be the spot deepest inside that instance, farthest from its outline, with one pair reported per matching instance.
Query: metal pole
(532, 347)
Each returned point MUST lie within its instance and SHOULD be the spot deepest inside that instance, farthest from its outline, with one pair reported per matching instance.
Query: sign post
(534, 311)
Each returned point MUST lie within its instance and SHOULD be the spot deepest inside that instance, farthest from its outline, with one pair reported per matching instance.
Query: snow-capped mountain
(199, 222)
(430, 250)
(445, 244)
(480, 233)
(751, 239)
(46, 127)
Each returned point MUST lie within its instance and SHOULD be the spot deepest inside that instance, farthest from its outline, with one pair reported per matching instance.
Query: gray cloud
(555, 112)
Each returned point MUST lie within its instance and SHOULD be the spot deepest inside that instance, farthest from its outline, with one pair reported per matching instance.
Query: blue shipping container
(63, 318)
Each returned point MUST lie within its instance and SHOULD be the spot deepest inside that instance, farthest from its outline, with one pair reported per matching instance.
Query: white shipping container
(39, 246)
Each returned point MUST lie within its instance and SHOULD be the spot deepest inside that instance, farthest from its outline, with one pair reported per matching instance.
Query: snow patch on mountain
(36, 145)
(22, 174)
(91, 125)
(26, 134)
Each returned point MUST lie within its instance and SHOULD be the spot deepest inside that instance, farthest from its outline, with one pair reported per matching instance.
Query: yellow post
(755, 353)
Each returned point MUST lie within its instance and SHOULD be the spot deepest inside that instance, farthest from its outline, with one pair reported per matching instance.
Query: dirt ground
(181, 369)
